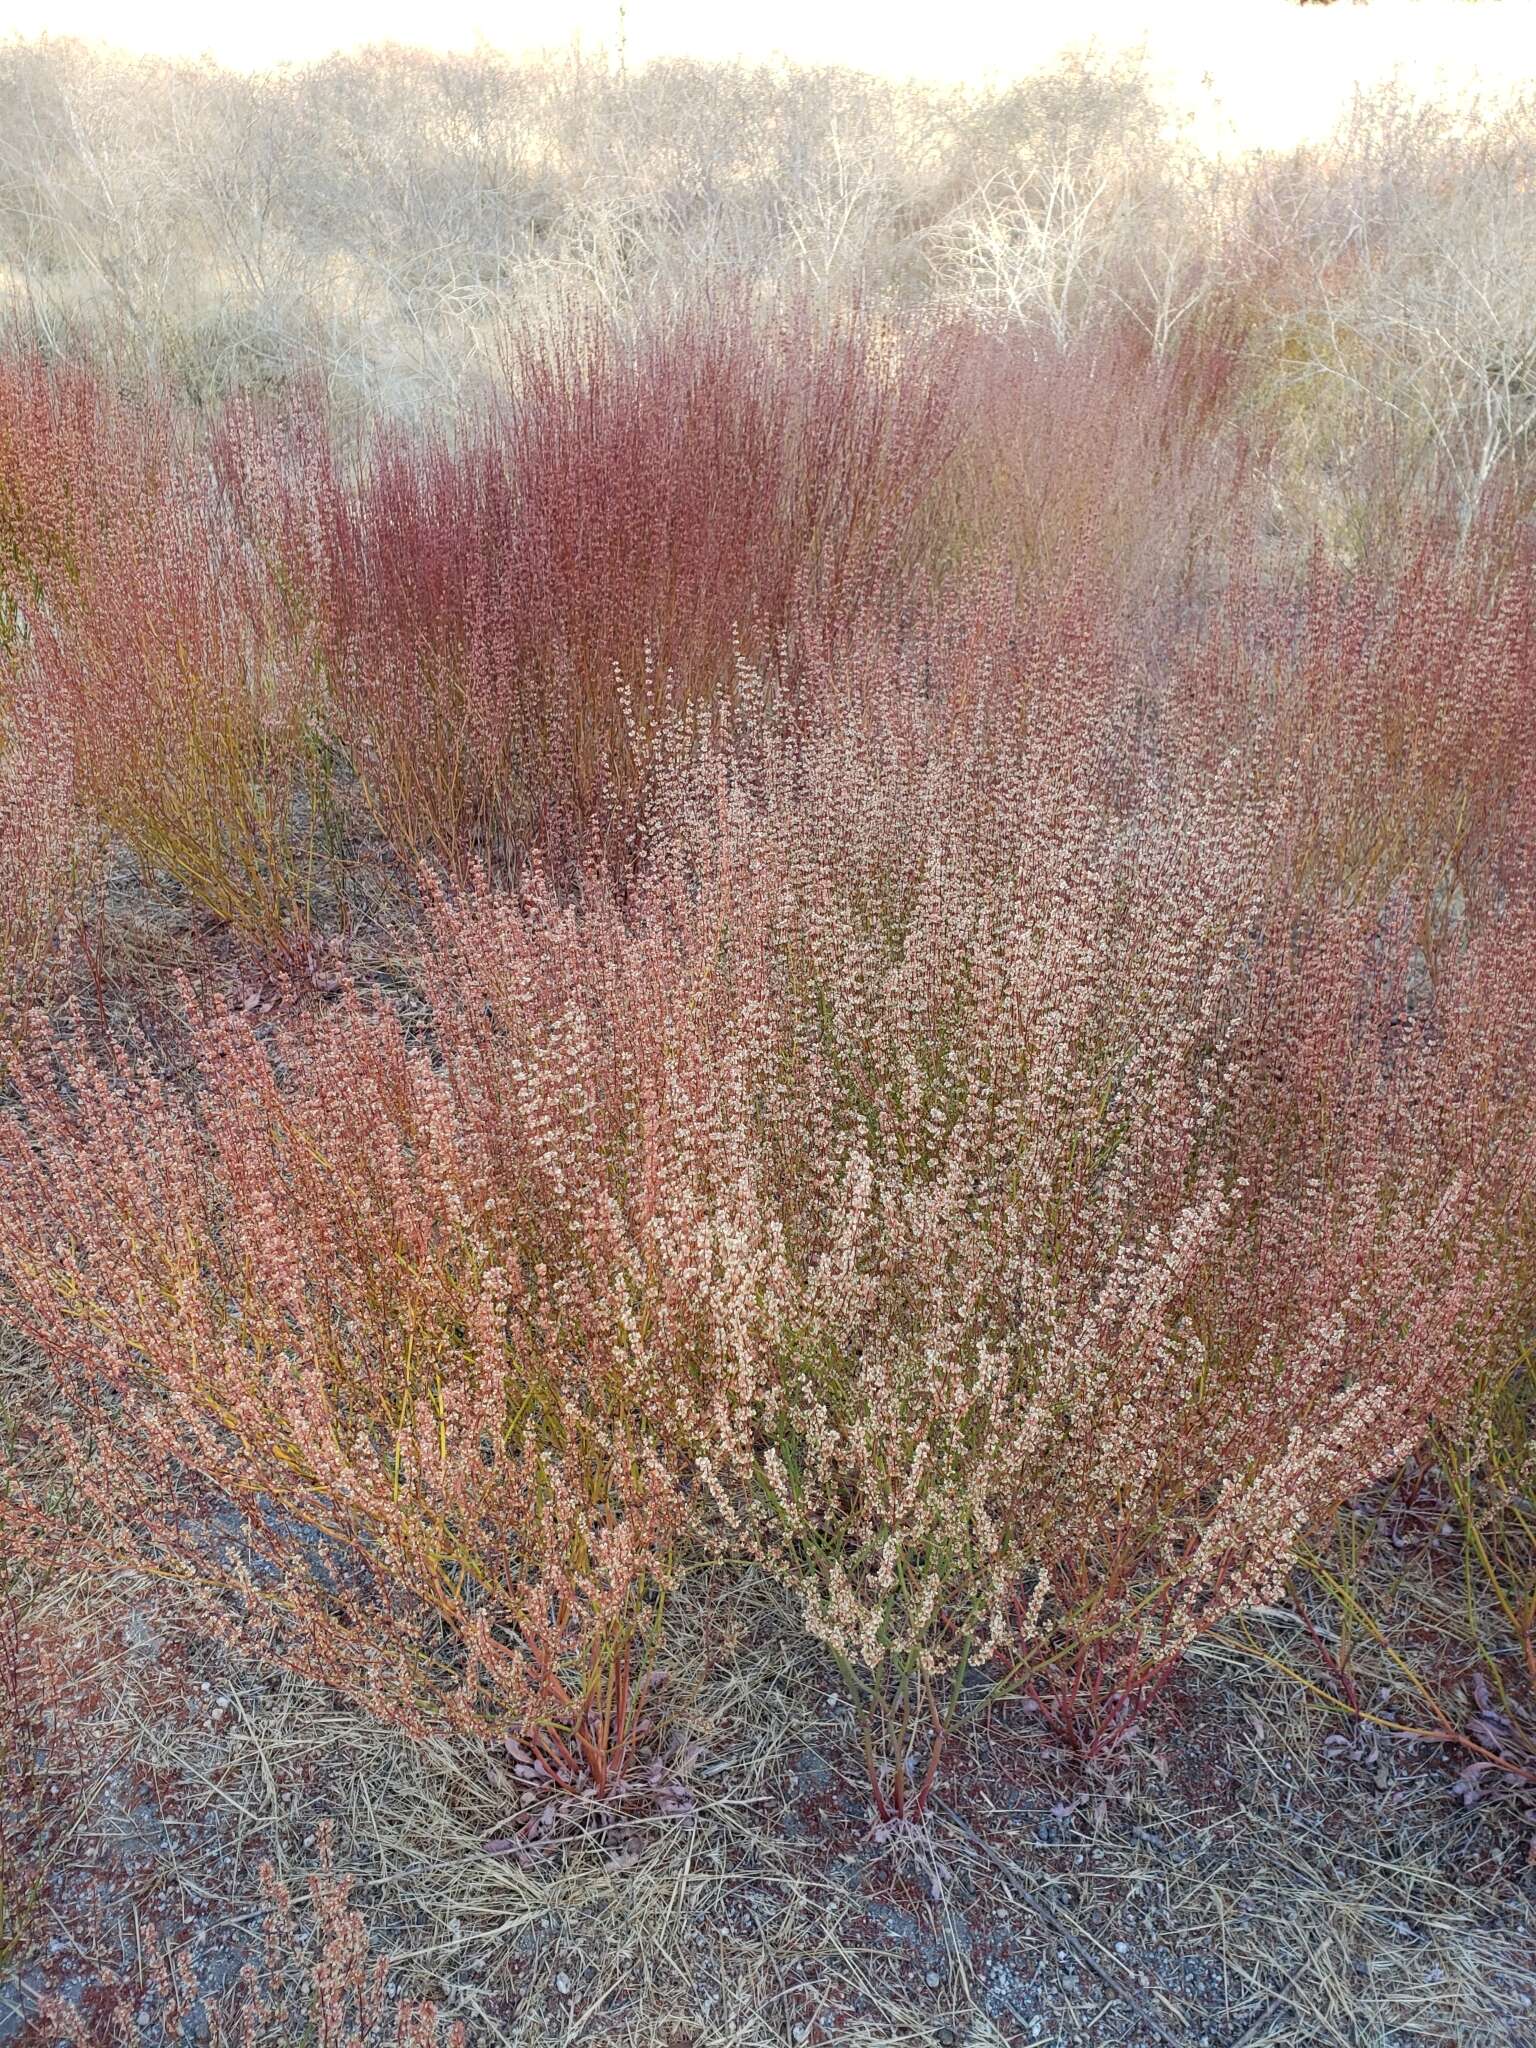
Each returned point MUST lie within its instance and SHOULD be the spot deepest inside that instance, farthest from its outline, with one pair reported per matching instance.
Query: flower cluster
(963, 1163)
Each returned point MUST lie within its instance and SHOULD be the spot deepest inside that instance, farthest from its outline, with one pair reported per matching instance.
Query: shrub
(1401, 703)
(189, 707)
(507, 615)
(1095, 457)
(330, 1388)
(957, 1167)
(76, 458)
(49, 857)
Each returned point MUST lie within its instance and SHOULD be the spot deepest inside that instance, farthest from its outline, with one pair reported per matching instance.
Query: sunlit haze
(1251, 72)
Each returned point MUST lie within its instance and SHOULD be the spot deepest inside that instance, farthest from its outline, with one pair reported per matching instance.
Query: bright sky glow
(1254, 72)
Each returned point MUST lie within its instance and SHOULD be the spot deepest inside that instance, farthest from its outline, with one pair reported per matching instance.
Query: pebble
(933, 1980)
(563, 1985)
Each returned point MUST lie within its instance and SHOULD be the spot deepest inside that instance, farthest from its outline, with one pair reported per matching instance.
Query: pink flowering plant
(961, 1165)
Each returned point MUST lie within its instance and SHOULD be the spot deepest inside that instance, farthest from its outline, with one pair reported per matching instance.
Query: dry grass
(1254, 1872)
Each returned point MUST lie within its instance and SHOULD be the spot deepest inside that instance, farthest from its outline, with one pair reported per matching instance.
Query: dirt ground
(1252, 1870)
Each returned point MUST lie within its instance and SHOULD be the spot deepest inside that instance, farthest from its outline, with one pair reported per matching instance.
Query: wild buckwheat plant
(1046, 1307)
(333, 1388)
(957, 1166)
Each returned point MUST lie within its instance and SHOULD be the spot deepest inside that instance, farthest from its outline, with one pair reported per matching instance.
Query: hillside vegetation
(767, 943)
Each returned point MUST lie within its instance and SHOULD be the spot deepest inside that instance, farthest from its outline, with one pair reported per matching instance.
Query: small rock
(563, 1985)
(933, 1980)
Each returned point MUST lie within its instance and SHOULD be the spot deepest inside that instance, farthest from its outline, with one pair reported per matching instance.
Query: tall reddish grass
(50, 858)
(1096, 458)
(1401, 702)
(484, 629)
(150, 640)
(510, 612)
(190, 709)
(74, 456)
(506, 614)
